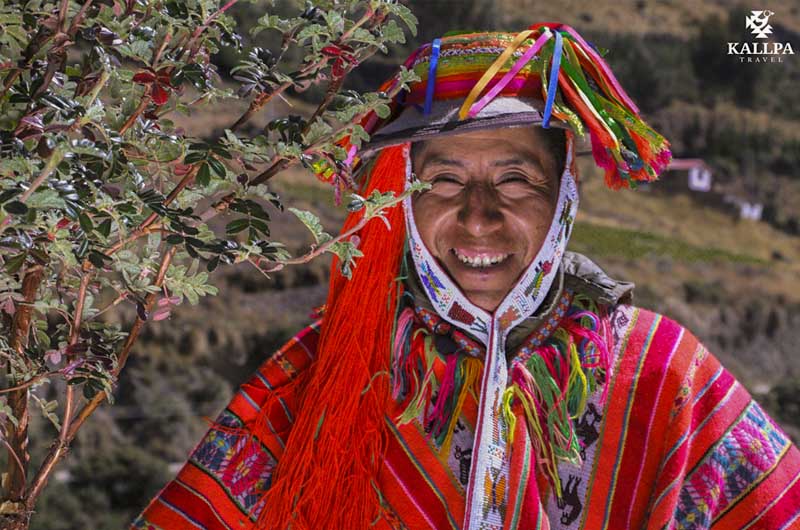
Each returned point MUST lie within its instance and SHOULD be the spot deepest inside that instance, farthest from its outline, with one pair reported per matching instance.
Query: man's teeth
(481, 260)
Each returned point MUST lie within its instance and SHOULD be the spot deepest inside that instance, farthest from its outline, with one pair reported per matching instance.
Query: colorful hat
(546, 75)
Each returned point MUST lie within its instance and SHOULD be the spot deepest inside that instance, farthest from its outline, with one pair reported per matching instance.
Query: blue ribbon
(435, 47)
(552, 84)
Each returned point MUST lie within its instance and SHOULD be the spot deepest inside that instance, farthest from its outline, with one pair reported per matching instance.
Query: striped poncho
(670, 440)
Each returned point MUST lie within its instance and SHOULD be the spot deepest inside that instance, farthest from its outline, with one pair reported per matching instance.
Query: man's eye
(445, 179)
(514, 178)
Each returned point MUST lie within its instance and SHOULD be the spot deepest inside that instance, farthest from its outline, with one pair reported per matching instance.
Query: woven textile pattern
(664, 451)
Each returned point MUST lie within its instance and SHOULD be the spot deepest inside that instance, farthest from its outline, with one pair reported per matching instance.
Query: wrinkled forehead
(544, 148)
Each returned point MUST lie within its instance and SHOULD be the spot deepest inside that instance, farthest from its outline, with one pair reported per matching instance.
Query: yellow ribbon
(489, 74)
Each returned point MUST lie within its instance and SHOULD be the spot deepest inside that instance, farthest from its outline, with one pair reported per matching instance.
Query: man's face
(491, 201)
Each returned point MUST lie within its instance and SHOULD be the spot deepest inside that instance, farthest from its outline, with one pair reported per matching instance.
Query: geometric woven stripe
(741, 459)
(238, 463)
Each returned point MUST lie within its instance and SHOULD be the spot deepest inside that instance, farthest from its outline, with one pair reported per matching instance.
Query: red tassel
(334, 451)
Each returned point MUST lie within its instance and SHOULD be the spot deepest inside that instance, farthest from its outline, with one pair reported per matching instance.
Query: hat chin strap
(531, 288)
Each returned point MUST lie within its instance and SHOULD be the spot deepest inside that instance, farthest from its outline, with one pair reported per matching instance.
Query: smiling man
(473, 373)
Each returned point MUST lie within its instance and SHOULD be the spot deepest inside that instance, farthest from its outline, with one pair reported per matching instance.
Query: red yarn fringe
(333, 454)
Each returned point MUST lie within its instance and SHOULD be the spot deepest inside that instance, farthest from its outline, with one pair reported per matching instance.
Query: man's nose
(480, 212)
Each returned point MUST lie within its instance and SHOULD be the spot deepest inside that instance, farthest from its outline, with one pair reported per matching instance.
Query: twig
(192, 44)
(321, 249)
(16, 458)
(263, 98)
(187, 178)
(29, 382)
(164, 43)
(77, 318)
(136, 234)
(118, 300)
(63, 11)
(149, 300)
(363, 20)
(73, 27)
(257, 104)
(136, 113)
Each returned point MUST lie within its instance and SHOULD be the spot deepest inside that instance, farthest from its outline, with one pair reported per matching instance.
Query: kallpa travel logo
(759, 24)
(762, 51)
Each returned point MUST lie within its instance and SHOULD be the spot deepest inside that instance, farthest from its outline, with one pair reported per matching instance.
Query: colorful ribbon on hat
(435, 47)
(553, 85)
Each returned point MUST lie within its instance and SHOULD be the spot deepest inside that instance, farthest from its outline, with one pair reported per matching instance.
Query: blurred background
(715, 244)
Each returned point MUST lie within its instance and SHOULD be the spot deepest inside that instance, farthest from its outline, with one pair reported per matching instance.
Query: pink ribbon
(496, 89)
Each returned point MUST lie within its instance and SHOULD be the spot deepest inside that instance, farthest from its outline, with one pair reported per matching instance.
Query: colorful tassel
(551, 387)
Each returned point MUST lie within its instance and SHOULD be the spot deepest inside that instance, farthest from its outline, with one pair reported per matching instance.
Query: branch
(59, 448)
(63, 11)
(73, 27)
(187, 178)
(321, 249)
(263, 98)
(17, 435)
(16, 457)
(257, 104)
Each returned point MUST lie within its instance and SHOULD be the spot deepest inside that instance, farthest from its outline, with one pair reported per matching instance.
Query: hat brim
(412, 125)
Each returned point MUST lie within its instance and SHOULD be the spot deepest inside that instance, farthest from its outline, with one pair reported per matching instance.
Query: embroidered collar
(554, 305)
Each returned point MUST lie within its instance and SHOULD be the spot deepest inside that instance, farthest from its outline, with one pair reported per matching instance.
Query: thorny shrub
(104, 201)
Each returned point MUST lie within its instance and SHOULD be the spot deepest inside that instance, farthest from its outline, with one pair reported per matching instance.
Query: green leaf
(97, 258)
(85, 222)
(165, 151)
(105, 228)
(14, 263)
(313, 224)
(317, 130)
(393, 34)
(234, 227)
(358, 135)
(194, 157)
(43, 339)
(6, 195)
(383, 110)
(203, 177)
(403, 13)
(217, 167)
(16, 207)
(5, 409)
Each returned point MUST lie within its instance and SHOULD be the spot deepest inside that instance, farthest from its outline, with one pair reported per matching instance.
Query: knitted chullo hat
(546, 75)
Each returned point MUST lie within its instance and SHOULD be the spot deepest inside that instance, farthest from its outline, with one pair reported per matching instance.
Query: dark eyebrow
(437, 160)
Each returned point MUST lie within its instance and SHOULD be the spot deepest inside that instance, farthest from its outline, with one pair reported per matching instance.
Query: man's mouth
(479, 259)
